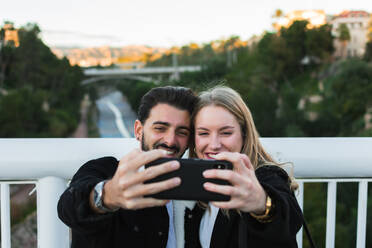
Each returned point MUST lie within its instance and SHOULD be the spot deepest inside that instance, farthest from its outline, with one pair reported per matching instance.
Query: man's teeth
(171, 152)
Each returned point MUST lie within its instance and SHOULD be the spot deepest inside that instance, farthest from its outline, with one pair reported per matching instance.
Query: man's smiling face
(166, 128)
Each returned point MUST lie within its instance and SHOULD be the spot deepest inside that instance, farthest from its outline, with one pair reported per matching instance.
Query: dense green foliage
(347, 97)
(344, 33)
(40, 93)
(343, 37)
(368, 53)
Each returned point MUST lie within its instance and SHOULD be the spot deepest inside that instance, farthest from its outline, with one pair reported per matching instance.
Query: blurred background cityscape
(303, 73)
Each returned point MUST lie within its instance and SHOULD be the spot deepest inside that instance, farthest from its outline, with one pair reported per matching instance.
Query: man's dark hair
(179, 97)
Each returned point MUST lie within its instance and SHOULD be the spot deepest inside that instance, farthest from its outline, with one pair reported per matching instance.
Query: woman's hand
(246, 192)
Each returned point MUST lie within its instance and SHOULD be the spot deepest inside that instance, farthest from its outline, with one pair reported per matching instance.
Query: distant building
(10, 35)
(357, 23)
(255, 39)
(315, 18)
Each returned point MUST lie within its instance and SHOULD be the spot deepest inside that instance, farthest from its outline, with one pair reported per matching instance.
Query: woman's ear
(138, 130)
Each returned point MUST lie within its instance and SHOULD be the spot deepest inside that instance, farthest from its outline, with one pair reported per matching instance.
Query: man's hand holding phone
(126, 189)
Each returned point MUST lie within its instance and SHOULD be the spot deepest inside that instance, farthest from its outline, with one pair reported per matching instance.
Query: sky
(160, 23)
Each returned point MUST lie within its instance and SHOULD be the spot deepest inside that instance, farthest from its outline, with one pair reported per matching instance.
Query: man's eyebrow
(184, 127)
(161, 123)
(168, 124)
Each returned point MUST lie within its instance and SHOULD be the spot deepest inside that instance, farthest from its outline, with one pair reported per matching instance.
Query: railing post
(51, 231)
(5, 216)
(362, 214)
(331, 214)
(300, 200)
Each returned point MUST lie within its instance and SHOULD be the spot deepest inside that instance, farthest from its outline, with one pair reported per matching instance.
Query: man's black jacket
(149, 227)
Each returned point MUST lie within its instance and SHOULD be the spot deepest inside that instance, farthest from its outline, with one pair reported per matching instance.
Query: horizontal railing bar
(19, 182)
(305, 180)
(338, 180)
(32, 159)
(25, 159)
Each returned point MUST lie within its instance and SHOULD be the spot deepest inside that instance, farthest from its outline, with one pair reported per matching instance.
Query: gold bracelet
(265, 217)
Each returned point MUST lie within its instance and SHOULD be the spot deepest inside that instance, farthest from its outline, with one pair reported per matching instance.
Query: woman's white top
(179, 208)
(206, 226)
(176, 234)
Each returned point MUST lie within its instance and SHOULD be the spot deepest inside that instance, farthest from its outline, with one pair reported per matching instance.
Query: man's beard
(157, 145)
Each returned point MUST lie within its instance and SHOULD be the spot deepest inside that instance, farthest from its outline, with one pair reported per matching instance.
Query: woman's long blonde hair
(231, 100)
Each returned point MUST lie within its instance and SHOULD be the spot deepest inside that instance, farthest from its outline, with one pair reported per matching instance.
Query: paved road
(82, 129)
(116, 118)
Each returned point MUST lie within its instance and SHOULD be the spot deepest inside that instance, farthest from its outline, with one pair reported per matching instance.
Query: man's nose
(170, 138)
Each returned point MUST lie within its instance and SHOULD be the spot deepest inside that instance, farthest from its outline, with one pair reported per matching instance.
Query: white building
(357, 23)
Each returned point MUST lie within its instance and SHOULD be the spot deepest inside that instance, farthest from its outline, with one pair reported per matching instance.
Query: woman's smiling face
(216, 130)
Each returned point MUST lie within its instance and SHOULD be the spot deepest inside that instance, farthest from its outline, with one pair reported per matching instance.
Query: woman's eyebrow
(222, 128)
(202, 128)
(227, 127)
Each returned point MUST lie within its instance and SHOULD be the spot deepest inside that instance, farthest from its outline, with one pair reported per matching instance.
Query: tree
(273, 79)
(348, 96)
(344, 38)
(5, 51)
(319, 43)
(368, 52)
(295, 37)
(21, 114)
(370, 29)
(36, 78)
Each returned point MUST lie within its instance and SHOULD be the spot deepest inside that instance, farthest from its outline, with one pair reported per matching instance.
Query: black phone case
(192, 180)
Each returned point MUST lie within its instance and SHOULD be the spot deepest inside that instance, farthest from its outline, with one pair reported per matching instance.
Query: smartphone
(192, 180)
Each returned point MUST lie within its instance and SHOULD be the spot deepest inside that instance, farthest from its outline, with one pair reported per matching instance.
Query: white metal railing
(5, 216)
(50, 163)
(331, 208)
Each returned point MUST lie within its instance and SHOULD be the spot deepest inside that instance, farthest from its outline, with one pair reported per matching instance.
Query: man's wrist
(97, 202)
(106, 199)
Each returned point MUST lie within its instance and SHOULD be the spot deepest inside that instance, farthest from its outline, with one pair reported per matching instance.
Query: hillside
(105, 56)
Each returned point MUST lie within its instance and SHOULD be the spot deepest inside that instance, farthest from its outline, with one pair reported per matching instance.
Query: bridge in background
(50, 164)
(146, 74)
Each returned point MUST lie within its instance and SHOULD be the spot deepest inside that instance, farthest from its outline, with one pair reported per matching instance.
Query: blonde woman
(262, 211)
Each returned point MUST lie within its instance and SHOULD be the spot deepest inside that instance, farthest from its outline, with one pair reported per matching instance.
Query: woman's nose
(215, 143)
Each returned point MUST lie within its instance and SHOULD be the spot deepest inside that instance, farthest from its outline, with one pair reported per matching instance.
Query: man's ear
(138, 130)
